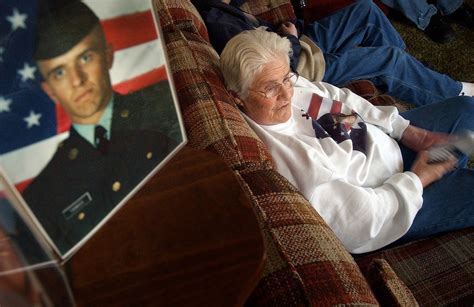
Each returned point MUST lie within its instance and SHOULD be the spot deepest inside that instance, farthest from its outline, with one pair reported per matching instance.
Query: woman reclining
(365, 169)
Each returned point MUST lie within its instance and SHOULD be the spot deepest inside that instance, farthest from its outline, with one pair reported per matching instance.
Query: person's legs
(392, 70)
(447, 7)
(360, 24)
(448, 204)
(457, 11)
(418, 12)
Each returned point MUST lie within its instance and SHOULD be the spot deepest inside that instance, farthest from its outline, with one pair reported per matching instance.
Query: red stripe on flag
(63, 122)
(336, 107)
(21, 186)
(130, 30)
(314, 106)
(142, 81)
(348, 127)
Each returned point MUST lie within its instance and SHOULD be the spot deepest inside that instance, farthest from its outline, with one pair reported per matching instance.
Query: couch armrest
(306, 263)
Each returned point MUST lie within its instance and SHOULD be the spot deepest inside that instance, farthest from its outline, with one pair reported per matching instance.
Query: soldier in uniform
(115, 140)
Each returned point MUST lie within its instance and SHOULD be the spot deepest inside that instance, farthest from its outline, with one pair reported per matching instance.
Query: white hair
(245, 55)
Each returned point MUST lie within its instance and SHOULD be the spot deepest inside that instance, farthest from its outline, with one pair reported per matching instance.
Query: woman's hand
(288, 28)
(430, 172)
(419, 139)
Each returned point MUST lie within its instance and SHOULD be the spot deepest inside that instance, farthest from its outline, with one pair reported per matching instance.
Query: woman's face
(260, 105)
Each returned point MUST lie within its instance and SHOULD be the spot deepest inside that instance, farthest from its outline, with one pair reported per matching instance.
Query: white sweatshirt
(355, 180)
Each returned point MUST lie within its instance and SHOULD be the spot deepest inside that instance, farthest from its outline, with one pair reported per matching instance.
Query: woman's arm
(366, 219)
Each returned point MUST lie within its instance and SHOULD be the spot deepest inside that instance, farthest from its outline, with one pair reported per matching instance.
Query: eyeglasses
(275, 89)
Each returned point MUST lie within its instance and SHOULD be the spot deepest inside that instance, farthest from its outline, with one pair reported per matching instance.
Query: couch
(305, 262)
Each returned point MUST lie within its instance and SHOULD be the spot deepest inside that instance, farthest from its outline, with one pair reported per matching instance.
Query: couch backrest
(211, 118)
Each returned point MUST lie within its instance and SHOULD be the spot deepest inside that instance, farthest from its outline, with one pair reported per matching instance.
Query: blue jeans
(420, 12)
(359, 42)
(448, 204)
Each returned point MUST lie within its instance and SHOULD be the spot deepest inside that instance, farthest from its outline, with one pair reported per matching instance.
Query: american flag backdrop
(31, 125)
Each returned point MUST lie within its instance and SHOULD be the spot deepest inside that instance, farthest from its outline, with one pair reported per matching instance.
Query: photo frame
(65, 180)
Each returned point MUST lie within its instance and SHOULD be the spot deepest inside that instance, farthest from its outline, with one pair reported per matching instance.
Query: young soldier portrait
(115, 140)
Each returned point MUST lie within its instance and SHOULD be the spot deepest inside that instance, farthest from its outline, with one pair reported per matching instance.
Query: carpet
(455, 58)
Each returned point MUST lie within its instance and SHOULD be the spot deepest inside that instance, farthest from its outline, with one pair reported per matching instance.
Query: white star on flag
(32, 119)
(4, 104)
(27, 72)
(2, 50)
(17, 20)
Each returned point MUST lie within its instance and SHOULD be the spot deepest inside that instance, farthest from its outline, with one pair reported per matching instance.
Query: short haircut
(60, 29)
(245, 55)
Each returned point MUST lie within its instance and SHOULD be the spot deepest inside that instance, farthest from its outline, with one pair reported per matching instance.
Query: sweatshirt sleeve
(366, 219)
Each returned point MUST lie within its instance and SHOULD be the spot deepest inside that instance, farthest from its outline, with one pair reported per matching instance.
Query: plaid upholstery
(387, 285)
(439, 271)
(178, 17)
(306, 263)
(211, 118)
(363, 88)
(275, 11)
(386, 100)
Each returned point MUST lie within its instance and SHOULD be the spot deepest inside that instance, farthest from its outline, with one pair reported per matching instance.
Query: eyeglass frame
(280, 85)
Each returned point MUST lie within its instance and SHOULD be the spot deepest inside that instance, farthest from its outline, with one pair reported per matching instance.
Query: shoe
(438, 30)
(464, 16)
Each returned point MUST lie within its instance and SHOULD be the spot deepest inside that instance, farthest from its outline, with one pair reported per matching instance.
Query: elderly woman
(365, 169)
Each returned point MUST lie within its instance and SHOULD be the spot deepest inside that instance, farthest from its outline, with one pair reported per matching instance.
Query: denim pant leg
(359, 24)
(448, 204)
(392, 70)
(419, 11)
(448, 6)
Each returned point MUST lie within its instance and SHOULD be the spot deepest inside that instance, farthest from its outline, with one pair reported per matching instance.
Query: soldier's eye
(58, 73)
(86, 57)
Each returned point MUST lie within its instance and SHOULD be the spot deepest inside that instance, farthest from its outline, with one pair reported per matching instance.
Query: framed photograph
(88, 111)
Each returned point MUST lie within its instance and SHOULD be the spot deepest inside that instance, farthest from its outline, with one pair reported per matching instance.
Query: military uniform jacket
(81, 185)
